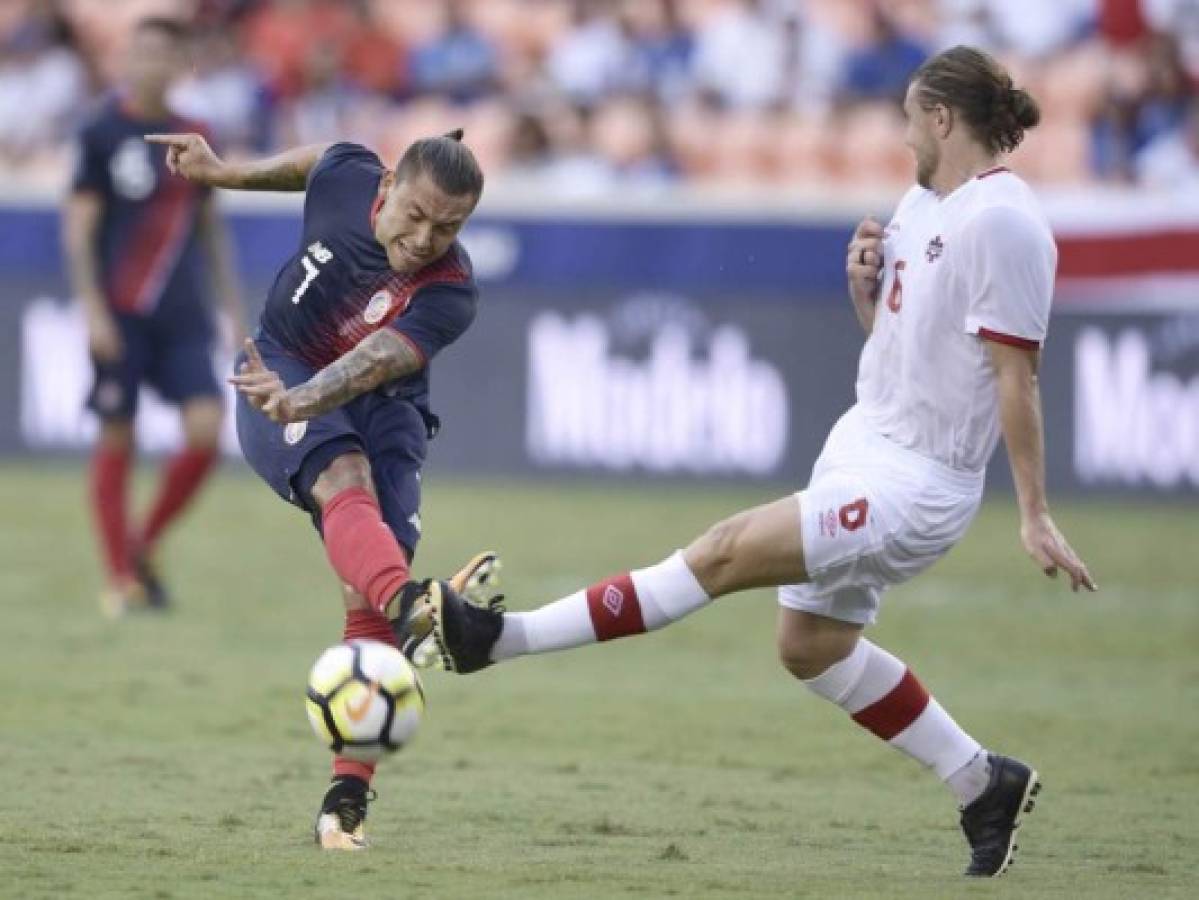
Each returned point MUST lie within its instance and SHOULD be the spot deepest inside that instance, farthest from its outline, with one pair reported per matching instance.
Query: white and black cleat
(991, 821)
(463, 632)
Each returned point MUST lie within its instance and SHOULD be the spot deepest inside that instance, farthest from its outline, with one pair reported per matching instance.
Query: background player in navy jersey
(333, 411)
(135, 239)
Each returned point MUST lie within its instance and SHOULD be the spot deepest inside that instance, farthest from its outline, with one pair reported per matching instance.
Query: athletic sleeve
(1008, 262)
(91, 168)
(438, 316)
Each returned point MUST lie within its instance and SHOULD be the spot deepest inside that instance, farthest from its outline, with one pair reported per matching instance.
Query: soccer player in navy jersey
(135, 242)
(333, 410)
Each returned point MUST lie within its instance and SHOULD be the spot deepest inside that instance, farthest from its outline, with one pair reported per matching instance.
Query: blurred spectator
(1146, 97)
(459, 63)
(661, 47)
(281, 37)
(42, 84)
(632, 142)
(740, 56)
(815, 60)
(321, 107)
(881, 69)
(1171, 161)
(594, 57)
(224, 91)
(373, 59)
(1027, 28)
(1179, 18)
(584, 96)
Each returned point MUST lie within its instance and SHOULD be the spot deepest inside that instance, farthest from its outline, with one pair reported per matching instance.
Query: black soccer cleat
(476, 583)
(990, 822)
(339, 824)
(157, 597)
(463, 632)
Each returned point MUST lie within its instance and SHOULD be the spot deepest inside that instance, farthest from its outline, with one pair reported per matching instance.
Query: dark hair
(447, 161)
(981, 92)
(174, 29)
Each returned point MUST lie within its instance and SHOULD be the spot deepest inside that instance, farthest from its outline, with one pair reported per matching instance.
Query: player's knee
(713, 556)
(808, 654)
(802, 658)
(350, 470)
(116, 435)
(202, 424)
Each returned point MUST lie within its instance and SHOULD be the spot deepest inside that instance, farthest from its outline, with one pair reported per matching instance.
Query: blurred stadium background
(661, 243)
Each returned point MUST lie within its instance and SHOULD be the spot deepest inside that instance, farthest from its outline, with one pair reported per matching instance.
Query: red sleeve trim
(994, 171)
(1010, 339)
(424, 360)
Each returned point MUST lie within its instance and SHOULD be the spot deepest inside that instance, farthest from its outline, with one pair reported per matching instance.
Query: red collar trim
(375, 207)
(994, 171)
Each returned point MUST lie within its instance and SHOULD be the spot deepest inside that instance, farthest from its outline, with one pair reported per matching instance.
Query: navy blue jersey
(149, 253)
(338, 287)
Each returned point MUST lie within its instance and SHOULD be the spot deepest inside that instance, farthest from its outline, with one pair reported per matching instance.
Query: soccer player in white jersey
(954, 297)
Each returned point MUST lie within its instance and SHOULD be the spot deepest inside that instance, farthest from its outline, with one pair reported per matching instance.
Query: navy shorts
(389, 431)
(177, 363)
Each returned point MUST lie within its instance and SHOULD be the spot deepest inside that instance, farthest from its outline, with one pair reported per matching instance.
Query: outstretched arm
(377, 359)
(1020, 419)
(190, 156)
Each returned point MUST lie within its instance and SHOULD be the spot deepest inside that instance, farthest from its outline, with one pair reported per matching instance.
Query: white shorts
(874, 515)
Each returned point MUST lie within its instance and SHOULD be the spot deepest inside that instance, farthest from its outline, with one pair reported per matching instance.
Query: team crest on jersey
(131, 170)
(377, 308)
(934, 249)
(294, 433)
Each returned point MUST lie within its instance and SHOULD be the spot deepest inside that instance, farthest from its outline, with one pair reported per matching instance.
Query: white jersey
(973, 266)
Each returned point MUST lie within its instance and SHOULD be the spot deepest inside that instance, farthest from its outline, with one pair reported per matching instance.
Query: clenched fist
(864, 261)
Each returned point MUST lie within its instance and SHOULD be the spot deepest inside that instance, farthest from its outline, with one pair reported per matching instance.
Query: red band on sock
(343, 767)
(615, 609)
(181, 478)
(897, 710)
(362, 549)
(110, 477)
(368, 624)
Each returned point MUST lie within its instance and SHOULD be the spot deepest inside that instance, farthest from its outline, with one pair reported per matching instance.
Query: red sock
(373, 625)
(109, 479)
(369, 624)
(362, 549)
(181, 478)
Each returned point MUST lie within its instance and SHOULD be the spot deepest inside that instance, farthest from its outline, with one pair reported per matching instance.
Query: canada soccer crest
(934, 249)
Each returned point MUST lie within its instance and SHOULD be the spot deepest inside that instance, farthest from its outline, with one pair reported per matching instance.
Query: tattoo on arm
(287, 171)
(379, 358)
(283, 177)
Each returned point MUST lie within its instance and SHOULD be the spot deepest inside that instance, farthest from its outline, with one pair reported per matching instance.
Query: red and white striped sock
(623, 605)
(882, 695)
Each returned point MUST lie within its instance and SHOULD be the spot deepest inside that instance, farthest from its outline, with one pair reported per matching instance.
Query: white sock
(882, 695)
(969, 782)
(643, 600)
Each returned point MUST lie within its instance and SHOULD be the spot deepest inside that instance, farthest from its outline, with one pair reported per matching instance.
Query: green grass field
(169, 757)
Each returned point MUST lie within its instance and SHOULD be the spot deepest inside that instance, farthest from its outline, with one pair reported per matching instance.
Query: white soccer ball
(364, 700)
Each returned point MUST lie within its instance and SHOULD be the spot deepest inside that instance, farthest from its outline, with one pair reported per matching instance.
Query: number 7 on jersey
(322, 255)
